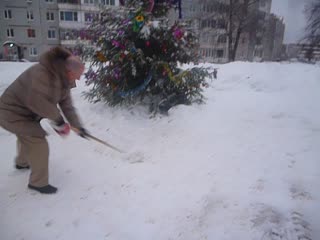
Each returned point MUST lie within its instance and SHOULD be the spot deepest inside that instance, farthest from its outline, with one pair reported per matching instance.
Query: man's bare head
(75, 68)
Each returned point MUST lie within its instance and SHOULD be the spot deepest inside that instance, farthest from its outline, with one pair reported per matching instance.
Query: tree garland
(137, 90)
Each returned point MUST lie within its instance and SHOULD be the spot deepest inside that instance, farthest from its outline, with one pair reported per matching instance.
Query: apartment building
(273, 38)
(303, 52)
(209, 21)
(260, 42)
(265, 39)
(30, 27)
(251, 44)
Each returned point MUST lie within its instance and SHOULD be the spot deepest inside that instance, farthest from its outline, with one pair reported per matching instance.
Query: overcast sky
(294, 18)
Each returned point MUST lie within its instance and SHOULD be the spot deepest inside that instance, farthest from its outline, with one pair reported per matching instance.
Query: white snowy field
(244, 166)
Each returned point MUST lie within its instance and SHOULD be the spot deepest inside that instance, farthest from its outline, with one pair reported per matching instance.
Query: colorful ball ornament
(101, 57)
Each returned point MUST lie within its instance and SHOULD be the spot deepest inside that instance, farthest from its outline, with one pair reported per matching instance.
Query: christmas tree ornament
(178, 33)
(101, 57)
(138, 23)
(151, 5)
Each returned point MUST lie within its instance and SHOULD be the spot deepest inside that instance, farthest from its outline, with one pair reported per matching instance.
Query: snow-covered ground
(243, 166)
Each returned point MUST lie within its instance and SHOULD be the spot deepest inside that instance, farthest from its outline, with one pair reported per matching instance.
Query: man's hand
(63, 129)
(83, 133)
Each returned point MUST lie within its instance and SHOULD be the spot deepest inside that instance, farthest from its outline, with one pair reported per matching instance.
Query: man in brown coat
(35, 94)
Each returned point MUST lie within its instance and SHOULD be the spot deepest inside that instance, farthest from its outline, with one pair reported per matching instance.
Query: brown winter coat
(36, 94)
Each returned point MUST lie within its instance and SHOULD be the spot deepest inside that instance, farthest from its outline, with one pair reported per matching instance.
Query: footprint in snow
(258, 186)
(49, 223)
(292, 163)
(275, 225)
(298, 193)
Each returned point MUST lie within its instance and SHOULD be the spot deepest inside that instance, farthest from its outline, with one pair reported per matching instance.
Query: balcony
(72, 24)
(69, 42)
(69, 4)
(70, 1)
(72, 43)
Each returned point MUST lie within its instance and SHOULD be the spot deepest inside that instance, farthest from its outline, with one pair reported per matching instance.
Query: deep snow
(245, 165)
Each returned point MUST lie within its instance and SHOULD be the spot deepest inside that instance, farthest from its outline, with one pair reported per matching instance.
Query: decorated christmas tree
(138, 54)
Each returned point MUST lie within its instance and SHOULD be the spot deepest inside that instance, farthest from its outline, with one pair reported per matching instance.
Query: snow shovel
(98, 140)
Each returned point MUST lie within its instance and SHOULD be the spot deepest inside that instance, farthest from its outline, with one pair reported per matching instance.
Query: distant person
(215, 73)
(34, 95)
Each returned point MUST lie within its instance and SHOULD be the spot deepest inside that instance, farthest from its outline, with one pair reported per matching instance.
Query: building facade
(266, 38)
(260, 42)
(303, 52)
(75, 16)
(209, 21)
(31, 27)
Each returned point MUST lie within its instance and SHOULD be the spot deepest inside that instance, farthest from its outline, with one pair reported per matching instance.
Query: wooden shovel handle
(97, 140)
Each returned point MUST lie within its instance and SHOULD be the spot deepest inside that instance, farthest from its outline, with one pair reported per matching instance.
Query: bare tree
(241, 16)
(233, 16)
(313, 23)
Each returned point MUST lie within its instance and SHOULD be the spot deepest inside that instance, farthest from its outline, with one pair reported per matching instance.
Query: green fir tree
(138, 54)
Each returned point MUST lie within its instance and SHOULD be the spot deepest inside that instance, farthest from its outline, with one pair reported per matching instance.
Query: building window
(221, 23)
(203, 23)
(208, 8)
(208, 23)
(10, 33)
(222, 39)
(220, 53)
(51, 34)
(33, 51)
(69, 34)
(49, 1)
(213, 23)
(50, 16)
(204, 38)
(30, 15)
(192, 8)
(89, 1)
(262, 3)
(259, 41)
(31, 33)
(70, 1)
(7, 14)
(68, 16)
(258, 53)
(107, 2)
(207, 52)
(210, 52)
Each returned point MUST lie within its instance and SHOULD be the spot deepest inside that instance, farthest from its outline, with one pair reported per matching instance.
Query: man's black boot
(22, 167)
(46, 189)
